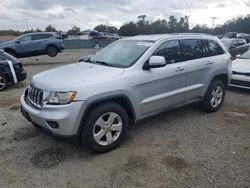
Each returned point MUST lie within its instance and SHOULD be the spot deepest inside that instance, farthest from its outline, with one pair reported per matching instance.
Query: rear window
(193, 49)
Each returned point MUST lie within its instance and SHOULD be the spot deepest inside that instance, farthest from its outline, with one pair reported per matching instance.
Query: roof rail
(188, 34)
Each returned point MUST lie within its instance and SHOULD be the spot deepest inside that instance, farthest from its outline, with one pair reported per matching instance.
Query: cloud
(221, 5)
(70, 10)
(64, 14)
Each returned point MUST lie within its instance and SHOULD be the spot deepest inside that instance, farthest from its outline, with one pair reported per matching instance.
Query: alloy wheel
(107, 128)
(217, 96)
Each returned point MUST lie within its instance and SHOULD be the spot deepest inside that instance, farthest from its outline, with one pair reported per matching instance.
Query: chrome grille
(34, 96)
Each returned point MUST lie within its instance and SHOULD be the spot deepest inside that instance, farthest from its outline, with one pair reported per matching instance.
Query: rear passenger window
(170, 50)
(214, 48)
(193, 49)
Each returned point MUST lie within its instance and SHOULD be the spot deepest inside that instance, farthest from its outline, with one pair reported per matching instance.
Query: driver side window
(170, 50)
(25, 38)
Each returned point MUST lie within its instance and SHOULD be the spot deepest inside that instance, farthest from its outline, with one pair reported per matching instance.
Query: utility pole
(27, 24)
(213, 19)
(107, 27)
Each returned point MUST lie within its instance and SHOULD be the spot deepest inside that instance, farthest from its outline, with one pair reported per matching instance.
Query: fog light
(53, 124)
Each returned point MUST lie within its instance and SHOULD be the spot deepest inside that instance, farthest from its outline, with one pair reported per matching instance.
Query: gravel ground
(181, 148)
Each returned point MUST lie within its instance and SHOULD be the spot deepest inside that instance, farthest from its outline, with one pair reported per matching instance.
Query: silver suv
(96, 100)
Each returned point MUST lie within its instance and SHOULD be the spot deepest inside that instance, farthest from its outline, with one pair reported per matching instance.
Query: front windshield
(122, 53)
(246, 55)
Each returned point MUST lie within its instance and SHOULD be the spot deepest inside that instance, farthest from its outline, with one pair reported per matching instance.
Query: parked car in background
(32, 44)
(230, 35)
(131, 79)
(241, 71)
(235, 46)
(11, 70)
(113, 36)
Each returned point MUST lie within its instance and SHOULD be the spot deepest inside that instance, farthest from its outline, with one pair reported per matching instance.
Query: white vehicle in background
(241, 71)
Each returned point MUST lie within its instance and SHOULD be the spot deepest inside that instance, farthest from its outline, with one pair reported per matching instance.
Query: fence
(85, 43)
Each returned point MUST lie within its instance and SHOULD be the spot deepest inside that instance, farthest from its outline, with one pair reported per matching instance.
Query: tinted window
(193, 49)
(24, 38)
(214, 48)
(41, 36)
(170, 50)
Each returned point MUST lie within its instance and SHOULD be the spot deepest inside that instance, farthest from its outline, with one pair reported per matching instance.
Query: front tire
(3, 82)
(105, 127)
(52, 51)
(214, 97)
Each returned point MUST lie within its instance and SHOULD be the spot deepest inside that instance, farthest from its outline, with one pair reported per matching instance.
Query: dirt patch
(176, 163)
(135, 163)
(50, 157)
(15, 108)
(235, 114)
(9, 101)
(25, 133)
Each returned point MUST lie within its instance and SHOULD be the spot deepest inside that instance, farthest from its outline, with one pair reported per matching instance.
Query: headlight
(58, 97)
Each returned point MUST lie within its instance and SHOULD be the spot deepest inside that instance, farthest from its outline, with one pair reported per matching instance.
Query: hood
(241, 65)
(6, 43)
(72, 76)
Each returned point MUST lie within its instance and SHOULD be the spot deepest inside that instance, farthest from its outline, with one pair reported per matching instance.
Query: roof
(34, 33)
(163, 36)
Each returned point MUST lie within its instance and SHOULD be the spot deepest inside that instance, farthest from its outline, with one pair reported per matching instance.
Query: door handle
(209, 63)
(179, 69)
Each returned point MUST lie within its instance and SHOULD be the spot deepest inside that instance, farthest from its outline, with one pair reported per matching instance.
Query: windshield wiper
(103, 63)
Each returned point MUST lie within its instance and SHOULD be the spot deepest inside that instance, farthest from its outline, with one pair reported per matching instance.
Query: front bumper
(68, 117)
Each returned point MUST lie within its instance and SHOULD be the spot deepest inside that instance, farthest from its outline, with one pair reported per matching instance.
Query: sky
(86, 14)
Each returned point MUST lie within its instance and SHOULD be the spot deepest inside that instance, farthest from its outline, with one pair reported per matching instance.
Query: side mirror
(155, 62)
(84, 58)
(17, 41)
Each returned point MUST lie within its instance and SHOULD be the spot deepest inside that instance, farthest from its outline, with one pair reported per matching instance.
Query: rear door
(39, 41)
(202, 59)
(164, 87)
(198, 67)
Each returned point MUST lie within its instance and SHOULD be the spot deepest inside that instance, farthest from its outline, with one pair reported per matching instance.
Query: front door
(164, 87)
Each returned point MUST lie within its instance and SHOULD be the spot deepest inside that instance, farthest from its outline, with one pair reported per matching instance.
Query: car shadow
(239, 90)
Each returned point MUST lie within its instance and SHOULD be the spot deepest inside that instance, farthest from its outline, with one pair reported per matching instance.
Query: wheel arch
(223, 77)
(50, 44)
(122, 100)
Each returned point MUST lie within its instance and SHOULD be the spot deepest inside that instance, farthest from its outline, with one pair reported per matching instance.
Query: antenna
(27, 24)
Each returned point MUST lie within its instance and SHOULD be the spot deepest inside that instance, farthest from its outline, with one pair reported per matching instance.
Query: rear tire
(52, 51)
(214, 97)
(105, 127)
(3, 82)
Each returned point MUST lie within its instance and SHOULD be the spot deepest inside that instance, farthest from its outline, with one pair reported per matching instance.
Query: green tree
(129, 29)
(50, 28)
(74, 31)
(104, 28)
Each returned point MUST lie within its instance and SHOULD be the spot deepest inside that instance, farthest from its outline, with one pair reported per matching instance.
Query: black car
(11, 70)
